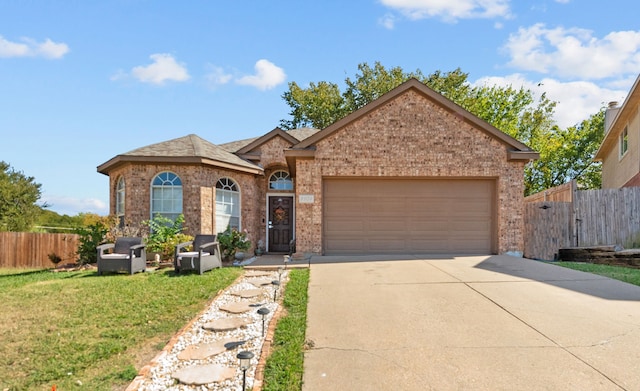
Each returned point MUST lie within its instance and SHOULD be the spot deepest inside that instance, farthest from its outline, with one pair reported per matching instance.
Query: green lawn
(77, 330)
(621, 273)
(284, 367)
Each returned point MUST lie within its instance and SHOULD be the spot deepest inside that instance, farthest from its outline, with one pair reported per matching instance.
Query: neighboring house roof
(628, 108)
(188, 149)
(517, 150)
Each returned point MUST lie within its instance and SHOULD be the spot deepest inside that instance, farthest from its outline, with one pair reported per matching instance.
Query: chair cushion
(114, 256)
(190, 254)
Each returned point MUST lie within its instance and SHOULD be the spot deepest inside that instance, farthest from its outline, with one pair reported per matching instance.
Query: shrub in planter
(164, 235)
(231, 241)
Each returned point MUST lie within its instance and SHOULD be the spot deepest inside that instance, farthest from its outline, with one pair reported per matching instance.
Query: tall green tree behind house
(18, 196)
(565, 154)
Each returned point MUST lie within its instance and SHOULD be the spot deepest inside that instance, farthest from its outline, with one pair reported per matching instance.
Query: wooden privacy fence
(31, 250)
(548, 227)
(589, 218)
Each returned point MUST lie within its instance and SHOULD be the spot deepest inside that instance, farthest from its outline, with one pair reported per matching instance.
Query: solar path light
(264, 311)
(245, 362)
(276, 285)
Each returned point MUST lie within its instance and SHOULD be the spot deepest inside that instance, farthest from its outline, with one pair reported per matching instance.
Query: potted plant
(232, 242)
(165, 235)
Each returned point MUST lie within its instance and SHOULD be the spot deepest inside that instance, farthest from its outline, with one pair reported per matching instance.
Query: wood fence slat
(31, 250)
(594, 218)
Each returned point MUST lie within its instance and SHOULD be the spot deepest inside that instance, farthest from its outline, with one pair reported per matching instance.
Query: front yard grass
(284, 367)
(626, 274)
(78, 330)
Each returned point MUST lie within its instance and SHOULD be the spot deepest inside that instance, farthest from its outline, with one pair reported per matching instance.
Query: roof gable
(276, 132)
(187, 149)
(517, 150)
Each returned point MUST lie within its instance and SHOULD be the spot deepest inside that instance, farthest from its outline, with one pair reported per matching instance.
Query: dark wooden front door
(280, 223)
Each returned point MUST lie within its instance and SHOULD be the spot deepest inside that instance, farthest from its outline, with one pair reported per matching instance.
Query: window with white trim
(280, 180)
(120, 201)
(166, 195)
(227, 205)
(624, 142)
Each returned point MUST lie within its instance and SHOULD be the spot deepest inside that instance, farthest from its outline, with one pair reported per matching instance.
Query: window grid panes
(227, 205)
(120, 202)
(166, 195)
(120, 197)
(280, 180)
(624, 142)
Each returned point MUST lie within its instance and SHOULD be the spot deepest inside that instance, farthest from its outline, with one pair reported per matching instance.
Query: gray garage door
(396, 216)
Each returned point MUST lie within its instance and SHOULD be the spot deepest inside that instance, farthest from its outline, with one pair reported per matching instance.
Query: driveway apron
(468, 323)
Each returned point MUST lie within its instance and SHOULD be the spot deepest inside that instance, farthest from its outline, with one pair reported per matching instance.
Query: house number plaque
(306, 198)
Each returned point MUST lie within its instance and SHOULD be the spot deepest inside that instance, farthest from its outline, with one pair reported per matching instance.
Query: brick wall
(411, 137)
(198, 192)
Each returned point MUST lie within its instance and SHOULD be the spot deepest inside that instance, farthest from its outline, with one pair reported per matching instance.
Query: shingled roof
(298, 134)
(187, 150)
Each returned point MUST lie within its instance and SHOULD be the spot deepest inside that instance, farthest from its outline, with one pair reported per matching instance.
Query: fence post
(575, 221)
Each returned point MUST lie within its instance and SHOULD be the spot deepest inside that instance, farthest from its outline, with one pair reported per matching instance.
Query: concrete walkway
(468, 323)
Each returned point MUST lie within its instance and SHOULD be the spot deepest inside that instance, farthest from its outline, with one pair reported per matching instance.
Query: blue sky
(82, 81)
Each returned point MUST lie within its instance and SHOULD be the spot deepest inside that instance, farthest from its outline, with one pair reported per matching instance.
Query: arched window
(166, 195)
(280, 180)
(120, 201)
(227, 205)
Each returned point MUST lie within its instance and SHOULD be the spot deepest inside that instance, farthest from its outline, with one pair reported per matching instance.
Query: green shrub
(164, 235)
(55, 258)
(91, 237)
(231, 241)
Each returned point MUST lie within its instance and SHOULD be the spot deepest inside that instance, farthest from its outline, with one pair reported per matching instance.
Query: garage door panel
(346, 226)
(344, 246)
(409, 216)
(340, 207)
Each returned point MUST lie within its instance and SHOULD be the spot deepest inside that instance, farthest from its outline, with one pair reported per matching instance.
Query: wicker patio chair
(127, 254)
(204, 255)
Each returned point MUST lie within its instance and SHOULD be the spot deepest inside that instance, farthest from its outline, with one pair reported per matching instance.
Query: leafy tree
(322, 103)
(565, 154)
(18, 196)
(317, 106)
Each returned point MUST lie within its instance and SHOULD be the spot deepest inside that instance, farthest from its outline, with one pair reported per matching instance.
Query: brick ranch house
(411, 172)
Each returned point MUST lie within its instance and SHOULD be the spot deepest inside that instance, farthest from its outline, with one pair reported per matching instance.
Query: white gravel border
(157, 375)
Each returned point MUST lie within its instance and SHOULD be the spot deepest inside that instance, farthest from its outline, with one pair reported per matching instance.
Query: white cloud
(574, 53)
(72, 206)
(217, 76)
(31, 48)
(164, 68)
(450, 10)
(577, 100)
(388, 21)
(267, 76)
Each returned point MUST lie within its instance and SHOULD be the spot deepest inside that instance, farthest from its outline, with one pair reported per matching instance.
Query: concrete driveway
(468, 323)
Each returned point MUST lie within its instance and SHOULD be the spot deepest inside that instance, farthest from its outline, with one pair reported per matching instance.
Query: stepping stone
(236, 308)
(249, 293)
(261, 281)
(200, 375)
(202, 351)
(257, 273)
(226, 324)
